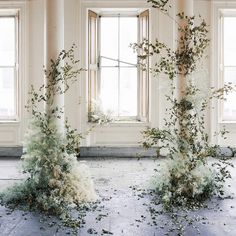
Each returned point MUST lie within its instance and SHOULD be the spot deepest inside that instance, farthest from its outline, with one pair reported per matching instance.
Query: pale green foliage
(187, 178)
(161, 4)
(55, 180)
(178, 186)
(97, 115)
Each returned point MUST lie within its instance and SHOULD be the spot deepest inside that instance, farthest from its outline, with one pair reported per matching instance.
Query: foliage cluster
(187, 178)
(55, 180)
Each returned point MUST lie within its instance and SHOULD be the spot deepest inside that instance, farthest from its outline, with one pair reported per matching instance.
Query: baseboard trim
(11, 151)
(116, 152)
(91, 152)
(103, 151)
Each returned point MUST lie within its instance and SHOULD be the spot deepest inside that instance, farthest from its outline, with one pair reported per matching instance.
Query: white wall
(118, 134)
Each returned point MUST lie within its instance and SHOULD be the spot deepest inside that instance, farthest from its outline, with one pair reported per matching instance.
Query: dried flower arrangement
(56, 181)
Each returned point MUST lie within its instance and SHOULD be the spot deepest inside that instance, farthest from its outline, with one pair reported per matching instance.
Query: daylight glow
(229, 60)
(7, 67)
(118, 91)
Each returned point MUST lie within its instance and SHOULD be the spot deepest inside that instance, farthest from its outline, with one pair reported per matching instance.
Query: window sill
(3, 122)
(131, 123)
(227, 122)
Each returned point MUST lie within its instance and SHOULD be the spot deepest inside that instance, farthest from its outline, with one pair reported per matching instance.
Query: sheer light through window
(8, 61)
(114, 77)
(229, 65)
(118, 65)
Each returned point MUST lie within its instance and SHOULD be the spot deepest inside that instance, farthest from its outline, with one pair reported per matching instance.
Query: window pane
(128, 92)
(7, 92)
(109, 39)
(230, 75)
(109, 90)
(229, 41)
(128, 35)
(118, 91)
(230, 103)
(93, 40)
(108, 62)
(7, 41)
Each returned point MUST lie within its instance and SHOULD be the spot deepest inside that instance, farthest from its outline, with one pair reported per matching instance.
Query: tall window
(118, 65)
(114, 75)
(8, 65)
(228, 62)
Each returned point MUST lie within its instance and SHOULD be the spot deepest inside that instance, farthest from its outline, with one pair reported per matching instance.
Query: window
(228, 61)
(8, 65)
(114, 75)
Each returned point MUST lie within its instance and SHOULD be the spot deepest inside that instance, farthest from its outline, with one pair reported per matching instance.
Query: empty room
(117, 117)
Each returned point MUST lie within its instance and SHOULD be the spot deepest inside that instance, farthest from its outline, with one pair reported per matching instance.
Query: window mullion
(118, 65)
(16, 76)
(99, 57)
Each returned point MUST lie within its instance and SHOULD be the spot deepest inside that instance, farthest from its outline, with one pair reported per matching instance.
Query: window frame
(222, 14)
(14, 13)
(119, 61)
(142, 102)
(216, 124)
(92, 59)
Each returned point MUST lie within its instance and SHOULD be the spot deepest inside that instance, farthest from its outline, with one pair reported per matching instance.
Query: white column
(54, 36)
(185, 6)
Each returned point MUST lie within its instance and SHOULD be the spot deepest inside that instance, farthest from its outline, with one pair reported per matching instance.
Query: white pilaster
(185, 6)
(54, 36)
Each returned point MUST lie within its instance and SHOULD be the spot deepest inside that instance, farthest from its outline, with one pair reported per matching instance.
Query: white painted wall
(75, 23)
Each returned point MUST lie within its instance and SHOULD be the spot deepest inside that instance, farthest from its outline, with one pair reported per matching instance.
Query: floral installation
(55, 181)
(186, 178)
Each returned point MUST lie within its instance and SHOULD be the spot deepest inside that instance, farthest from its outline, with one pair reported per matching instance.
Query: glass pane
(109, 39)
(128, 35)
(7, 41)
(7, 92)
(93, 41)
(230, 75)
(109, 90)
(128, 92)
(229, 41)
(108, 62)
(230, 103)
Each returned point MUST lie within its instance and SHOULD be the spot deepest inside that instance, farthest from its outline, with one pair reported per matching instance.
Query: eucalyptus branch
(221, 92)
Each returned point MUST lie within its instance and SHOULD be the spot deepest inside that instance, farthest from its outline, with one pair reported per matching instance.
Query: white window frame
(118, 14)
(216, 121)
(224, 13)
(15, 14)
(12, 131)
(142, 103)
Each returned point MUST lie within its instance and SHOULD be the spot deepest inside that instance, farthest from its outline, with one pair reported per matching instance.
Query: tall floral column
(186, 7)
(54, 36)
(55, 181)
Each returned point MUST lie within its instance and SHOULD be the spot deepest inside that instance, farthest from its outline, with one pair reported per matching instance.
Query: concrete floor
(124, 209)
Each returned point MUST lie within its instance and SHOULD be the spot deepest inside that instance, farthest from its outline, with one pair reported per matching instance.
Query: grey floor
(125, 209)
